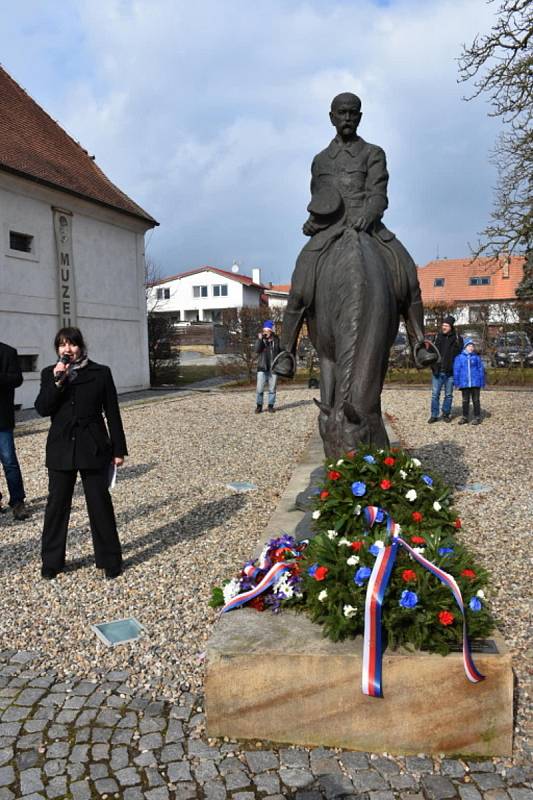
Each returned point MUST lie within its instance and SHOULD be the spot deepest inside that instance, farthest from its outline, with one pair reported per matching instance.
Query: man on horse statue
(349, 191)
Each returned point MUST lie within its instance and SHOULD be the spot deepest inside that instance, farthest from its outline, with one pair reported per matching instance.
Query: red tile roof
(235, 276)
(279, 287)
(457, 273)
(32, 144)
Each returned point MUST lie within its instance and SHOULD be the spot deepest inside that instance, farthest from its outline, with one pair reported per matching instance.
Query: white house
(201, 295)
(71, 249)
(277, 295)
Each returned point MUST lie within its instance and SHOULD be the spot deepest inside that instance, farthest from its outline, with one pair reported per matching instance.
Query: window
(163, 294)
(479, 281)
(438, 282)
(220, 290)
(28, 363)
(199, 291)
(20, 241)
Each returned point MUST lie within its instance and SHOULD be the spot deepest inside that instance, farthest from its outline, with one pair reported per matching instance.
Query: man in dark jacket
(449, 344)
(267, 348)
(10, 378)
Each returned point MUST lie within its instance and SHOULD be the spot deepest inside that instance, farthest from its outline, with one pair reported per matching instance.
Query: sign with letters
(65, 268)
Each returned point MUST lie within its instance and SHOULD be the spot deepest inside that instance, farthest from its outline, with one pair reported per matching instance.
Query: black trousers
(473, 393)
(107, 550)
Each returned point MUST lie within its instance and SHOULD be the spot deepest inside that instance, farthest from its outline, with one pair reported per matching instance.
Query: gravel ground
(183, 530)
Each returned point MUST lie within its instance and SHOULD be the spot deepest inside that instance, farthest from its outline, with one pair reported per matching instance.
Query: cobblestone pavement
(82, 739)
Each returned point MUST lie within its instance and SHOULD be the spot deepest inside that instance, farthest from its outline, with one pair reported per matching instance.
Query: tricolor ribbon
(377, 584)
(273, 575)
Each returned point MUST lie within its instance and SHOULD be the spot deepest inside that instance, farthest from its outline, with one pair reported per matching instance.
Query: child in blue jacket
(469, 377)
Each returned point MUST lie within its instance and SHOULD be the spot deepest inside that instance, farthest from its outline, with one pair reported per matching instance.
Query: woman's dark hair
(72, 335)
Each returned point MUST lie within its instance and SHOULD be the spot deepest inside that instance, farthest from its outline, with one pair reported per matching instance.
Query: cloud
(209, 114)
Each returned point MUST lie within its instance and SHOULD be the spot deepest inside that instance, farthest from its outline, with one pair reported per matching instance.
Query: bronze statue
(351, 282)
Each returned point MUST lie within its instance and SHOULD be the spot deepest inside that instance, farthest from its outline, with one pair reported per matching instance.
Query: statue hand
(310, 228)
(361, 224)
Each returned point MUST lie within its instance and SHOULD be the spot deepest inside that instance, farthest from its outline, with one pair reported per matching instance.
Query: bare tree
(243, 325)
(501, 62)
(163, 342)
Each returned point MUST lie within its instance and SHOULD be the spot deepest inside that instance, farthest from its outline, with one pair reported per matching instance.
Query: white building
(71, 249)
(201, 295)
(277, 295)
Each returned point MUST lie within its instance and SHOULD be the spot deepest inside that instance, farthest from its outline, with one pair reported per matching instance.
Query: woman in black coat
(74, 393)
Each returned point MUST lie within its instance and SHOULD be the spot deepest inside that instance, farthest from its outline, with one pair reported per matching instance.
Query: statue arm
(376, 186)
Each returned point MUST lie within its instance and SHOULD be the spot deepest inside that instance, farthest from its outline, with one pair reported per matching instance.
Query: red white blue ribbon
(271, 577)
(377, 584)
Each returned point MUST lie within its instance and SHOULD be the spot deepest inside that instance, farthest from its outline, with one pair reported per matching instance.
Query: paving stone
(80, 790)
(30, 741)
(58, 750)
(27, 759)
(495, 794)
(160, 793)
(95, 700)
(101, 734)
(133, 793)
(197, 748)
(53, 699)
(412, 796)
(437, 787)
(403, 781)
(86, 717)
(57, 732)
(452, 768)
(214, 790)
(35, 725)
(335, 785)
(261, 760)
(30, 781)
(237, 780)
(179, 771)
(180, 712)
(98, 771)
(128, 776)
(521, 794)
(121, 736)
(154, 777)
(66, 716)
(119, 757)
(481, 766)
(16, 713)
(310, 795)
(106, 786)
(294, 758)
(354, 761)
(44, 713)
(296, 778)
(488, 780)
(24, 656)
(129, 720)
(417, 764)
(84, 688)
(205, 771)
(368, 781)
(386, 766)
(80, 753)
(267, 783)
(186, 791)
(146, 759)
(10, 728)
(230, 764)
(57, 787)
(172, 752)
(100, 752)
(6, 754)
(83, 735)
(75, 771)
(6, 794)
(244, 796)
(174, 731)
(7, 776)
(468, 792)
(513, 775)
(108, 718)
(152, 741)
(381, 795)
(29, 697)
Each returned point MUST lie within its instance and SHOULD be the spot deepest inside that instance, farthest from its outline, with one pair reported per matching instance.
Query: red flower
(323, 495)
(446, 617)
(385, 484)
(458, 524)
(418, 540)
(468, 573)
(356, 545)
(280, 553)
(320, 573)
(258, 603)
(417, 516)
(409, 575)
(350, 454)
(333, 475)
(390, 462)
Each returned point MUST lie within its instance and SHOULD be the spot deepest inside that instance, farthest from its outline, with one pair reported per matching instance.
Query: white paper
(112, 475)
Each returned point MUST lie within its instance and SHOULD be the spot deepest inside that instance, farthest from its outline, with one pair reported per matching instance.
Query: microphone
(61, 376)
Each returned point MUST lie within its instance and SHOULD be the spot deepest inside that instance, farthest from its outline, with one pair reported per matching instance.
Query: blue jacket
(468, 371)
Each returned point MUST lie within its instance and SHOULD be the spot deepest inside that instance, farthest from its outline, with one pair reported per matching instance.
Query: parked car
(513, 349)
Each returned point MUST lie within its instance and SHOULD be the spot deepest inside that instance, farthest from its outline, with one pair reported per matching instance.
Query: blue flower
(358, 488)
(312, 569)
(475, 604)
(408, 599)
(444, 551)
(369, 459)
(427, 480)
(380, 515)
(362, 575)
(374, 549)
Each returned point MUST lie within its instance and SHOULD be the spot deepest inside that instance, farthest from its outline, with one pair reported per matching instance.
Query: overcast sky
(208, 114)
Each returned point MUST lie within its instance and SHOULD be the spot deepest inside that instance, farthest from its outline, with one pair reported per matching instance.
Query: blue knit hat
(268, 324)
(467, 342)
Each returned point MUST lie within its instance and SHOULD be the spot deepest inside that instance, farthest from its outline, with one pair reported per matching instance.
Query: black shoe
(432, 419)
(284, 364)
(19, 512)
(271, 409)
(463, 421)
(112, 572)
(447, 417)
(48, 573)
(476, 421)
(258, 409)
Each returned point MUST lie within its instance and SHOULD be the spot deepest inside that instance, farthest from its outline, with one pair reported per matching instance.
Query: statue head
(345, 114)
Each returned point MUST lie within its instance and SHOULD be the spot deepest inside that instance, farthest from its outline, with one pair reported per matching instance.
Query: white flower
(283, 586)
(231, 589)
(415, 462)
(322, 595)
(316, 514)
(419, 550)
(352, 561)
(379, 544)
(340, 461)
(381, 450)
(403, 474)
(343, 541)
(349, 611)
(357, 510)
(437, 506)
(411, 496)
(332, 534)
(480, 593)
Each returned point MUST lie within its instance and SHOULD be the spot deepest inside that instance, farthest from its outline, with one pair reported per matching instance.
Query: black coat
(449, 346)
(266, 353)
(78, 437)
(10, 378)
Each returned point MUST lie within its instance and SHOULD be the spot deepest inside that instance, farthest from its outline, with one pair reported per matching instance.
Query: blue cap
(467, 342)
(268, 324)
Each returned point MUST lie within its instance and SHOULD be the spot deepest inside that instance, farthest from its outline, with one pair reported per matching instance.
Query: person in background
(267, 348)
(76, 392)
(10, 379)
(449, 344)
(469, 377)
